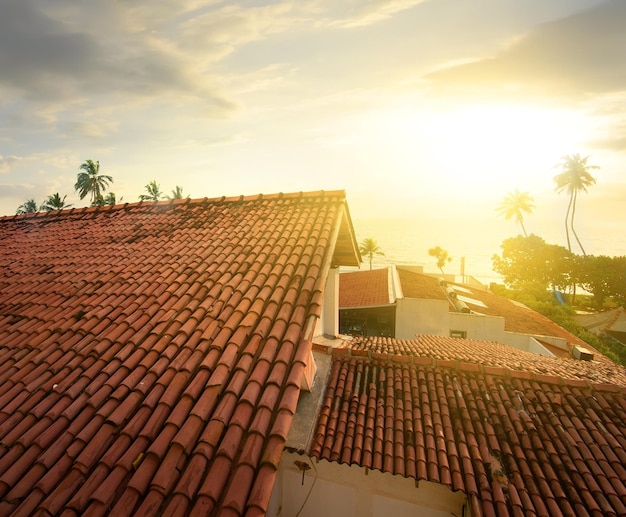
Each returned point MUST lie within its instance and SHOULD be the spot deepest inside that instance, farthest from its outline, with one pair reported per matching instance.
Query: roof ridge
(176, 202)
(467, 366)
(618, 312)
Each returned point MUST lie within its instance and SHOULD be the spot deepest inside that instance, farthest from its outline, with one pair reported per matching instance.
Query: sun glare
(496, 148)
(482, 150)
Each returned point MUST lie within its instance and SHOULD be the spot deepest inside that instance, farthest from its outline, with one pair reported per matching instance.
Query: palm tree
(109, 199)
(177, 193)
(27, 207)
(515, 204)
(441, 255)
(154, 192)
(575, 177)
(91, 182)
(368, 248)
(54, 202)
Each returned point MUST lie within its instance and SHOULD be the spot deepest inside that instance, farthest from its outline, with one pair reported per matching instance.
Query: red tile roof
(490, 354)
(364, 289)
(517, 317)
(151, 354)
(516, 442)
(416, 285)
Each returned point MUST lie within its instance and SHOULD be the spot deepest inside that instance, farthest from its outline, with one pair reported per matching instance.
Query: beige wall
(489, 328)
(530, 344)
(328, 324)
(419, 316)
(334, 490)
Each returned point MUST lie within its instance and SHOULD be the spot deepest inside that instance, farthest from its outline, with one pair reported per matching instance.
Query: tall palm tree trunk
(523, 227)
(572, 225)
(567, 215)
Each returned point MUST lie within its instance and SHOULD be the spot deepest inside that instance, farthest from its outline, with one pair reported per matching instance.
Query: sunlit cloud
(572, 56)
(406, 104)
(348, 14)
(6, 162)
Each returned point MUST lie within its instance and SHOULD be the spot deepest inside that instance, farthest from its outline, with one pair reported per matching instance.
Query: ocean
(407, 241)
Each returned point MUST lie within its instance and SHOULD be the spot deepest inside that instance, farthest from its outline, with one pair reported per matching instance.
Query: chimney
(582, 353)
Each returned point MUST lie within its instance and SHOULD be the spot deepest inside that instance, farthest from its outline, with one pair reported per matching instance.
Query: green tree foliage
(574, 178)
(153, 192)
(530, 260)
(368, 248)
(107, 200)
(177, 193)
(54, 202)
(90, 182)
(441, 255)
(515, 204)
(27, 207)
(603, 277)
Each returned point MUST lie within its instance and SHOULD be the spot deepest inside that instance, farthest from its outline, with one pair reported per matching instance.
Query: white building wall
(478, 326)
(328, 324)
(420, 316)
(528, 343)
(331, 489)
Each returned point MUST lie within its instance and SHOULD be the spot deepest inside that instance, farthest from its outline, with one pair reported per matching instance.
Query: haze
(415, 108)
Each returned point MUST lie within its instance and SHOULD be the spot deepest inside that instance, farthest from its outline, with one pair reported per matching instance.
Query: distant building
(609, 323)
(402, 302)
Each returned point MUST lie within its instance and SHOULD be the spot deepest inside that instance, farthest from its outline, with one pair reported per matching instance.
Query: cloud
(350, 14)
(615, 140)
(7, 162)
(68, 53)
(584, 53)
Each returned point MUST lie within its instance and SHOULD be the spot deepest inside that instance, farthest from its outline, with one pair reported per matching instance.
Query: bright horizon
(415, 108)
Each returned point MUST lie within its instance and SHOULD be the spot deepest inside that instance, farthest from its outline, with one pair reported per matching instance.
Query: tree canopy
(90, 182)
(368, 248)
(441, 255)
(603, 277)
(27, 207)
(573, 178)
(153, 192)
(177, 193)
(54, 202)
(107, 200)
(515, 204)
(531, 260)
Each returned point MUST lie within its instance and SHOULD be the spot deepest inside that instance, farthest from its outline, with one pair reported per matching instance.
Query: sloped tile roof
(364, 289)
(151, 354)
(517, 317)
(516, 442)
(416, 285)
(490, 354)
(614, 319)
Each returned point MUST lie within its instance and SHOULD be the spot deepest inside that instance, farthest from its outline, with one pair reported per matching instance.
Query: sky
(427, 111)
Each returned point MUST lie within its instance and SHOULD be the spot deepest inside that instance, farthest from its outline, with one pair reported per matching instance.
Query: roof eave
(346, 251)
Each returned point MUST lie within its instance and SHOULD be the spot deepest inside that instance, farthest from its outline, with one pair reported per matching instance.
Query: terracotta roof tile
(364, 289)
(489, 357)
(515, 444)
(157, 368)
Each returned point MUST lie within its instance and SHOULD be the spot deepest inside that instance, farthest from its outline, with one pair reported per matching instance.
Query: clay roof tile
(152, 352)
(509, 438)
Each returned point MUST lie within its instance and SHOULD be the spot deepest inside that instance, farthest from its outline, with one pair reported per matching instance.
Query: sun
(494, 147)
(483, 150)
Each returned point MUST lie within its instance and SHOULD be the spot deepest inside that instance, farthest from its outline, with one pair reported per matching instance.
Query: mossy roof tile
(147, 321)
